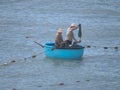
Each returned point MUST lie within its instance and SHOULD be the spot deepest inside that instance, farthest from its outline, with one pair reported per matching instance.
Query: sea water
(23, 65)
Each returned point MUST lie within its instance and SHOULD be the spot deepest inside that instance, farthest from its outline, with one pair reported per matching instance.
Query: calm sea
(23, 65)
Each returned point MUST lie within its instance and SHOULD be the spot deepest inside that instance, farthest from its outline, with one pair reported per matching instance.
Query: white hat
(59, 30)
(73, 24)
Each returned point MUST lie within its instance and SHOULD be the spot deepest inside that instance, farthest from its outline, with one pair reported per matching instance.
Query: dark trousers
(69, 42)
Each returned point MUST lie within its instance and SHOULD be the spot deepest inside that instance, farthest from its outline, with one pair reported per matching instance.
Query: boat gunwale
(51, 45)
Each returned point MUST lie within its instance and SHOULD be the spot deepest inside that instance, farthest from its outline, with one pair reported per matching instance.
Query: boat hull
(76, 53)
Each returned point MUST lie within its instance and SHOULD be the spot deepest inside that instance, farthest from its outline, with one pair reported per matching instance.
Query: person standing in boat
(59, 38)
(70, 34)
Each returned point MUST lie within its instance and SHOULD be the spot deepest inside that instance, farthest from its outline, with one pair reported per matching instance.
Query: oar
(35, 42)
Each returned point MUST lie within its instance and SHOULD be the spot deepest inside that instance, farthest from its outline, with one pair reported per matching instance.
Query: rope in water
(34, 56)
(105, 47)
(14, 61)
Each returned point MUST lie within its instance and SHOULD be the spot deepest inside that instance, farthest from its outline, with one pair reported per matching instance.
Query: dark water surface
(99, 69)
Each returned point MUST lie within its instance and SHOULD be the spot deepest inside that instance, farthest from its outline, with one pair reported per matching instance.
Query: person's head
(73, 26)
(59, 31)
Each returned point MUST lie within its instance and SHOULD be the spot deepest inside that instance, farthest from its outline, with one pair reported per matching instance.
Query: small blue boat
(63, 53)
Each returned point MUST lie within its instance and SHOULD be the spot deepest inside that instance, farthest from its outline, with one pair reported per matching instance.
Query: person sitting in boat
(70, 35)
(59, 38)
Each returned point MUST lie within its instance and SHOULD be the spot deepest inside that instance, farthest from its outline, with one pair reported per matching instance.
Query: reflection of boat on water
(63, 53)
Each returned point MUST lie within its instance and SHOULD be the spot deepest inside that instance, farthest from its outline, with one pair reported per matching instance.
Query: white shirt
(70, 34)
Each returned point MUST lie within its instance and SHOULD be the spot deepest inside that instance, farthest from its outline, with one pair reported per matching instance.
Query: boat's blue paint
(62, 53)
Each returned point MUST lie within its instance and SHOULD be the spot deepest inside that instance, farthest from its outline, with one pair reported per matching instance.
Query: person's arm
(77, 41)
(74, 38)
